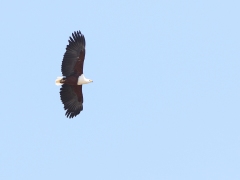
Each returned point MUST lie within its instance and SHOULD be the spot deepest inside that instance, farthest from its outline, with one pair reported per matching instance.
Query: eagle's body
(73, 77)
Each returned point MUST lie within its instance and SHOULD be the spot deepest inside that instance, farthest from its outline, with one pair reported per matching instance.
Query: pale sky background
(165, 100)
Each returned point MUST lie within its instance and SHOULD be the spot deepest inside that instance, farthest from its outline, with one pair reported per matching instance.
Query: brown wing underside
(73, 58)
(78, 90)
(78, 68)
(72, 98)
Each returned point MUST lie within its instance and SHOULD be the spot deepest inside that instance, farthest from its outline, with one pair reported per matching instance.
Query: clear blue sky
(164, 104)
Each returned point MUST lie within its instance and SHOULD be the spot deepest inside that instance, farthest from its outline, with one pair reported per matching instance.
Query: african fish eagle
(73, 77)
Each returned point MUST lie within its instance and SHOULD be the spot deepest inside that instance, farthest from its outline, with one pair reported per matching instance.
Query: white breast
(82, 80)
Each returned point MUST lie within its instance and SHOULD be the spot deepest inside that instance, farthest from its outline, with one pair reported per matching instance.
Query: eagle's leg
(62, 81)
(70, 80)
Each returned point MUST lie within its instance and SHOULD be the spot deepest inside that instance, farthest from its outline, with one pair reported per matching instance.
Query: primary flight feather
(73, 77)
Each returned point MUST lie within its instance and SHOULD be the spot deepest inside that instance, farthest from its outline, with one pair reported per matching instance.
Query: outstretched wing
(72, 99)
(73, 58)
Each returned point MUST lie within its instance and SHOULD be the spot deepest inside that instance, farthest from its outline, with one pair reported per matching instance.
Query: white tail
(57, 82)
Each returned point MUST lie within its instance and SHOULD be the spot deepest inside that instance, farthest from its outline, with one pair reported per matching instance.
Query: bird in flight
(72, 75)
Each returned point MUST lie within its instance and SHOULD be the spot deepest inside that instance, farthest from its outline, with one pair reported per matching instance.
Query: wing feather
(72, 99)
(75, 52)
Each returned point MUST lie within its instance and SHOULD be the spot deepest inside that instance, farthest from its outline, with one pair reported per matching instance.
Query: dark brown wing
(72, 99)
(73, 58)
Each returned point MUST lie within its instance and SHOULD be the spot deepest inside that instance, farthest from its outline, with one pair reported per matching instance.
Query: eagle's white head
(83, 80)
